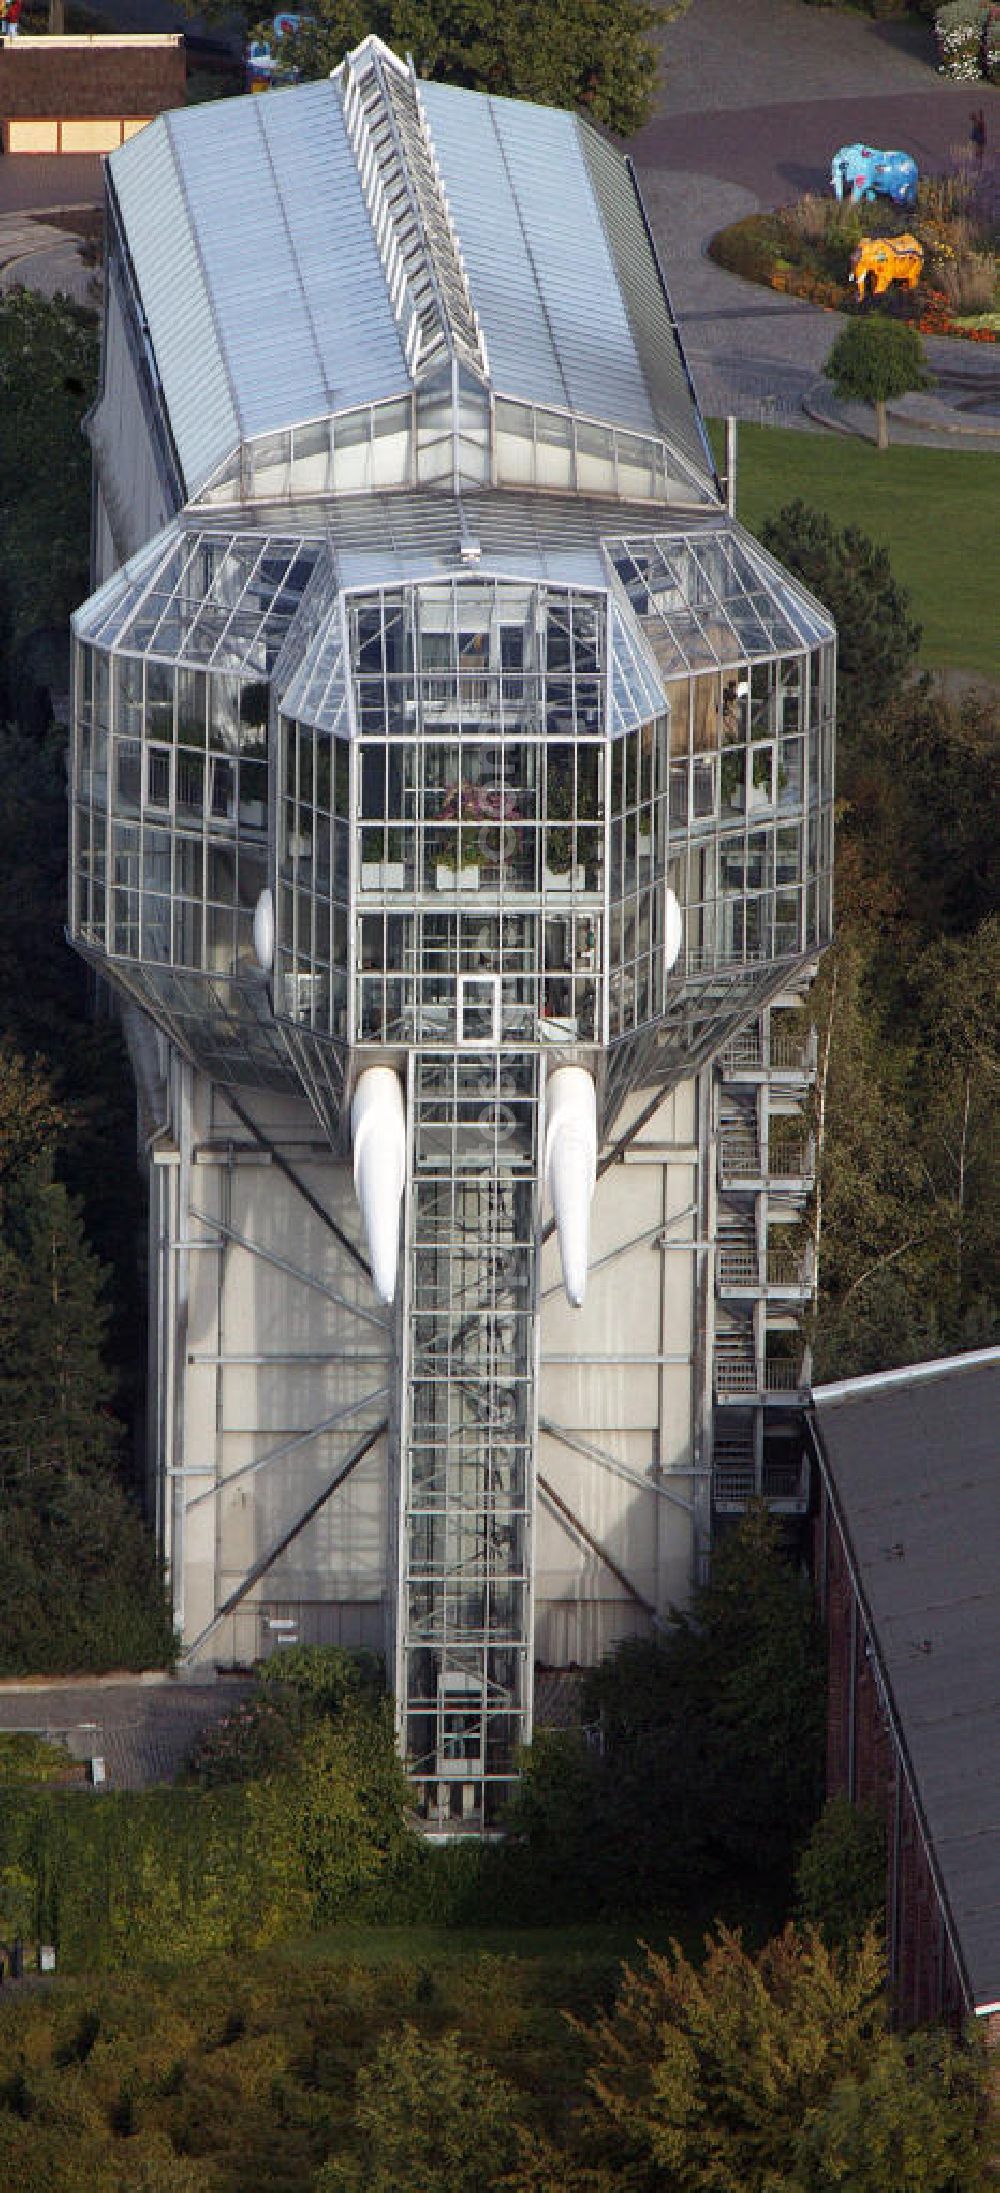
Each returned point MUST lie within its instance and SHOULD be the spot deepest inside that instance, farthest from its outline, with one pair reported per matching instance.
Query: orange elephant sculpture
(878, 261)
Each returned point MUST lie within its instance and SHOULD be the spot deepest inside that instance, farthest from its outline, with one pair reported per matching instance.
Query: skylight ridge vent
(411, 220)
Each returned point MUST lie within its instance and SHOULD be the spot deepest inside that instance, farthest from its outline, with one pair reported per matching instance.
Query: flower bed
(804, 250)
(935, 317)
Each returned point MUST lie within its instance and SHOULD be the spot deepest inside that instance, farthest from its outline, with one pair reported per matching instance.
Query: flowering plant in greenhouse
(483, 809)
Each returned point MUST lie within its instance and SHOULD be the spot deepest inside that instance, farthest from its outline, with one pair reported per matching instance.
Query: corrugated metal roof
(175, 296)
(259, 273)
(540, 268)
(268, 302)
(650, 313)
(914, 1460)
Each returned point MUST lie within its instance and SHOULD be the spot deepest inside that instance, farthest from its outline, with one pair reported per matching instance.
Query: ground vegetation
(932, 510)
(527, 2070)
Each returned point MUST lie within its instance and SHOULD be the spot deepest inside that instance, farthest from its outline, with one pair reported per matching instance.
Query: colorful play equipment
(859, 173)
(878, 261)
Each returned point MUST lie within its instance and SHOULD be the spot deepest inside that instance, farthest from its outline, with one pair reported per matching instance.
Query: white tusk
(571, 1169)
(378, 1132)
(674, 930)
(263, 930)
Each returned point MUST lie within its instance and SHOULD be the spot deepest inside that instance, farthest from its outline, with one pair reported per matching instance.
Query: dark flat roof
(914, 1462)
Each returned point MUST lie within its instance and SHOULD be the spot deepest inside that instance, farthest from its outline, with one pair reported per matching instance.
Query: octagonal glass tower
(445, 753)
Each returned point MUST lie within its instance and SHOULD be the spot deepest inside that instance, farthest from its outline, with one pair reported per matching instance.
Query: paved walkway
(745, 53)
(143, 1728)
(37, 254)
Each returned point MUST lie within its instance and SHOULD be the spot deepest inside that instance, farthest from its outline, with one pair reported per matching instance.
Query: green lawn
(935, 510)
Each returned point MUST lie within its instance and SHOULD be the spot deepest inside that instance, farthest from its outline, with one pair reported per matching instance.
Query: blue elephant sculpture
(859, 172)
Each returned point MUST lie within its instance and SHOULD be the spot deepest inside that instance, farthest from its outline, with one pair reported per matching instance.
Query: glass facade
(171, 779)
(508, 822)
(453, 431)
(484, 779)
(464, 1650)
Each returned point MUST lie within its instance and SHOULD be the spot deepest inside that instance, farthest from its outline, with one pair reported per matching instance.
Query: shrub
(959, 29)
(427, 2114)
(27, 1761)
(748, 248)
(968, 282)
(322, 1677)
(259, 1737)
(809, 217)
(840, 1877)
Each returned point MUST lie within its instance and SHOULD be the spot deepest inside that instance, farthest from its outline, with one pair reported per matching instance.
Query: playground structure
(861, 174)
(879, 261)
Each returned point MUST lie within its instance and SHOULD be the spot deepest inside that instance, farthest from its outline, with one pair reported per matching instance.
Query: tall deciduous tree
(428, 2114)
(763, 2074)
(874, 360)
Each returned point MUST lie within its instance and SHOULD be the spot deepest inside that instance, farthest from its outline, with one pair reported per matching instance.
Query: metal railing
(784, 1484)
(787, 1267)
(733, 1483)
(735, 1367)
(792, 1054)
(782, 1375)
(786, 1480)
(738, 1371)
(737, 1264)
(789, 1156)
(739, 1154)
(745, 1050)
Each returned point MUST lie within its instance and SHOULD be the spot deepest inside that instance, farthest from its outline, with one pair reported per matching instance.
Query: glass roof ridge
(411, 219)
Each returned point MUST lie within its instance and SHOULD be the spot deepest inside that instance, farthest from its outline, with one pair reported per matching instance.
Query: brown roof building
(86, 94)
(908, 1540)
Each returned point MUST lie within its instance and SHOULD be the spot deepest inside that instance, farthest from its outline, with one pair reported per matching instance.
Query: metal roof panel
(176, 301)
(913, 1462)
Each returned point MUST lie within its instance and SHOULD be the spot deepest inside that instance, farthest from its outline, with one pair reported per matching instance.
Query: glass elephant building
(452, 783)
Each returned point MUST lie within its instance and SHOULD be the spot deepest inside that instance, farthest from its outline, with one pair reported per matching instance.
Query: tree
(762, 2075)
(597, 56)
(55, 1390)
(80, 1585)
(955, 1082)
(45, 1017)
(30, 1119)
(877, 639)
(428, 2115)
(872, 361)
(48, 370)
(715, 1725)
